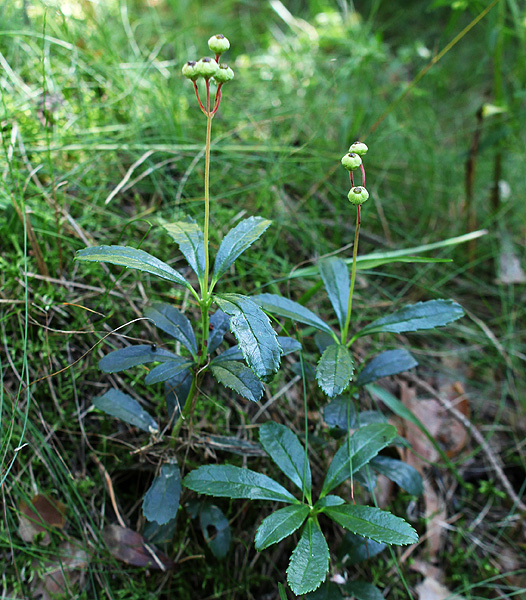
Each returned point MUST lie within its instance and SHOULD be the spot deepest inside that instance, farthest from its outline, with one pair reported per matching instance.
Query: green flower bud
(358, 195)
(351, 161)
(218, 43)
(359, 148)
(190, 71)
(223, 74)
(206, 67)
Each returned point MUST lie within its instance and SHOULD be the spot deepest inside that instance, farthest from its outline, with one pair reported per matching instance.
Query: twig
(474, 432)
(109, 485)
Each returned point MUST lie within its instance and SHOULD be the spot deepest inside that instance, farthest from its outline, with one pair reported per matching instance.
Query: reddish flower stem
(199, 99)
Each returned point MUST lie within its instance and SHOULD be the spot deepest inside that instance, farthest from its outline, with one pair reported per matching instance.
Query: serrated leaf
(309, 562)
(340, 413)
(131, 356)
(356, 452)
(360, 590)
(355, 548)
(288, 346)
(256, 338)
(370, 522)
(218, 327)
(211, 517)
(404, 475)
(174, 323)
(335, 370)
(416, 317)
(386, 364)
(335, 276)
(285, 449)
(236, 241)
(283, 307)
(161, 501)
(190, 239)
(167, 370)
(280, 524)
(132, 258)
(227, 481)
(176, 392)
(124, 407)
(237, 377)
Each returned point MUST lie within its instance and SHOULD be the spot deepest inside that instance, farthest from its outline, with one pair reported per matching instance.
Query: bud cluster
(207, 67)
(352, 161)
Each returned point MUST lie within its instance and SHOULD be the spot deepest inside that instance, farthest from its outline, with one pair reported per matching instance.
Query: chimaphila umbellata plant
(367, 434)
(243, 367)
(254, 360)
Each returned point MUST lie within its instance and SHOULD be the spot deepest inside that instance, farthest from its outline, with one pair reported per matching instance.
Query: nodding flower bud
(358, 195)
(351, 161)
(190, 71)
(206, 67)
(223, 74)
(359, 148)
(218, 43)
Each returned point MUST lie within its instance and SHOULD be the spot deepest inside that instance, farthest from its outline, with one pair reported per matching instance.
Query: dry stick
(463, 420)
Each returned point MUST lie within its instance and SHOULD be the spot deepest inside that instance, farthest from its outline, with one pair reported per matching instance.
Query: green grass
(91, 94)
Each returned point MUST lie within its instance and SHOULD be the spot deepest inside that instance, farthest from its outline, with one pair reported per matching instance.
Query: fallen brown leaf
(40, 515)
(130, 547)
(431, 589)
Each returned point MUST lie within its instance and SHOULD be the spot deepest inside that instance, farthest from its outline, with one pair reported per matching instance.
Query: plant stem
(205, 292)
(353, 273)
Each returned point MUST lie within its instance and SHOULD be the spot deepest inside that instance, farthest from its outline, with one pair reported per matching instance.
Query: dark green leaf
(335, 370)
(288, 345)
(367, 417)
(330, 500)
(228, 481)
(174, 323)
(131, 356)
(125, 256)
(416, 317)
(218, 327)
(176, 390)
(366, 477)
(355, 548)
(379, 525)
(406, 476)
(309, 562)
(189, 237)
(385, 364)
(236, 241)
(356, 452)
(340, 413)
(161, 501)
(216, 529)
(335, 277)
(280, 524)
(124, 407)
(283, 307)
(360, 590)
(167, 370)
(327, 591)
(323, 340)
(160, 535)
(232, 353)
(239, 378)
(256, 338)
(283, 446)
